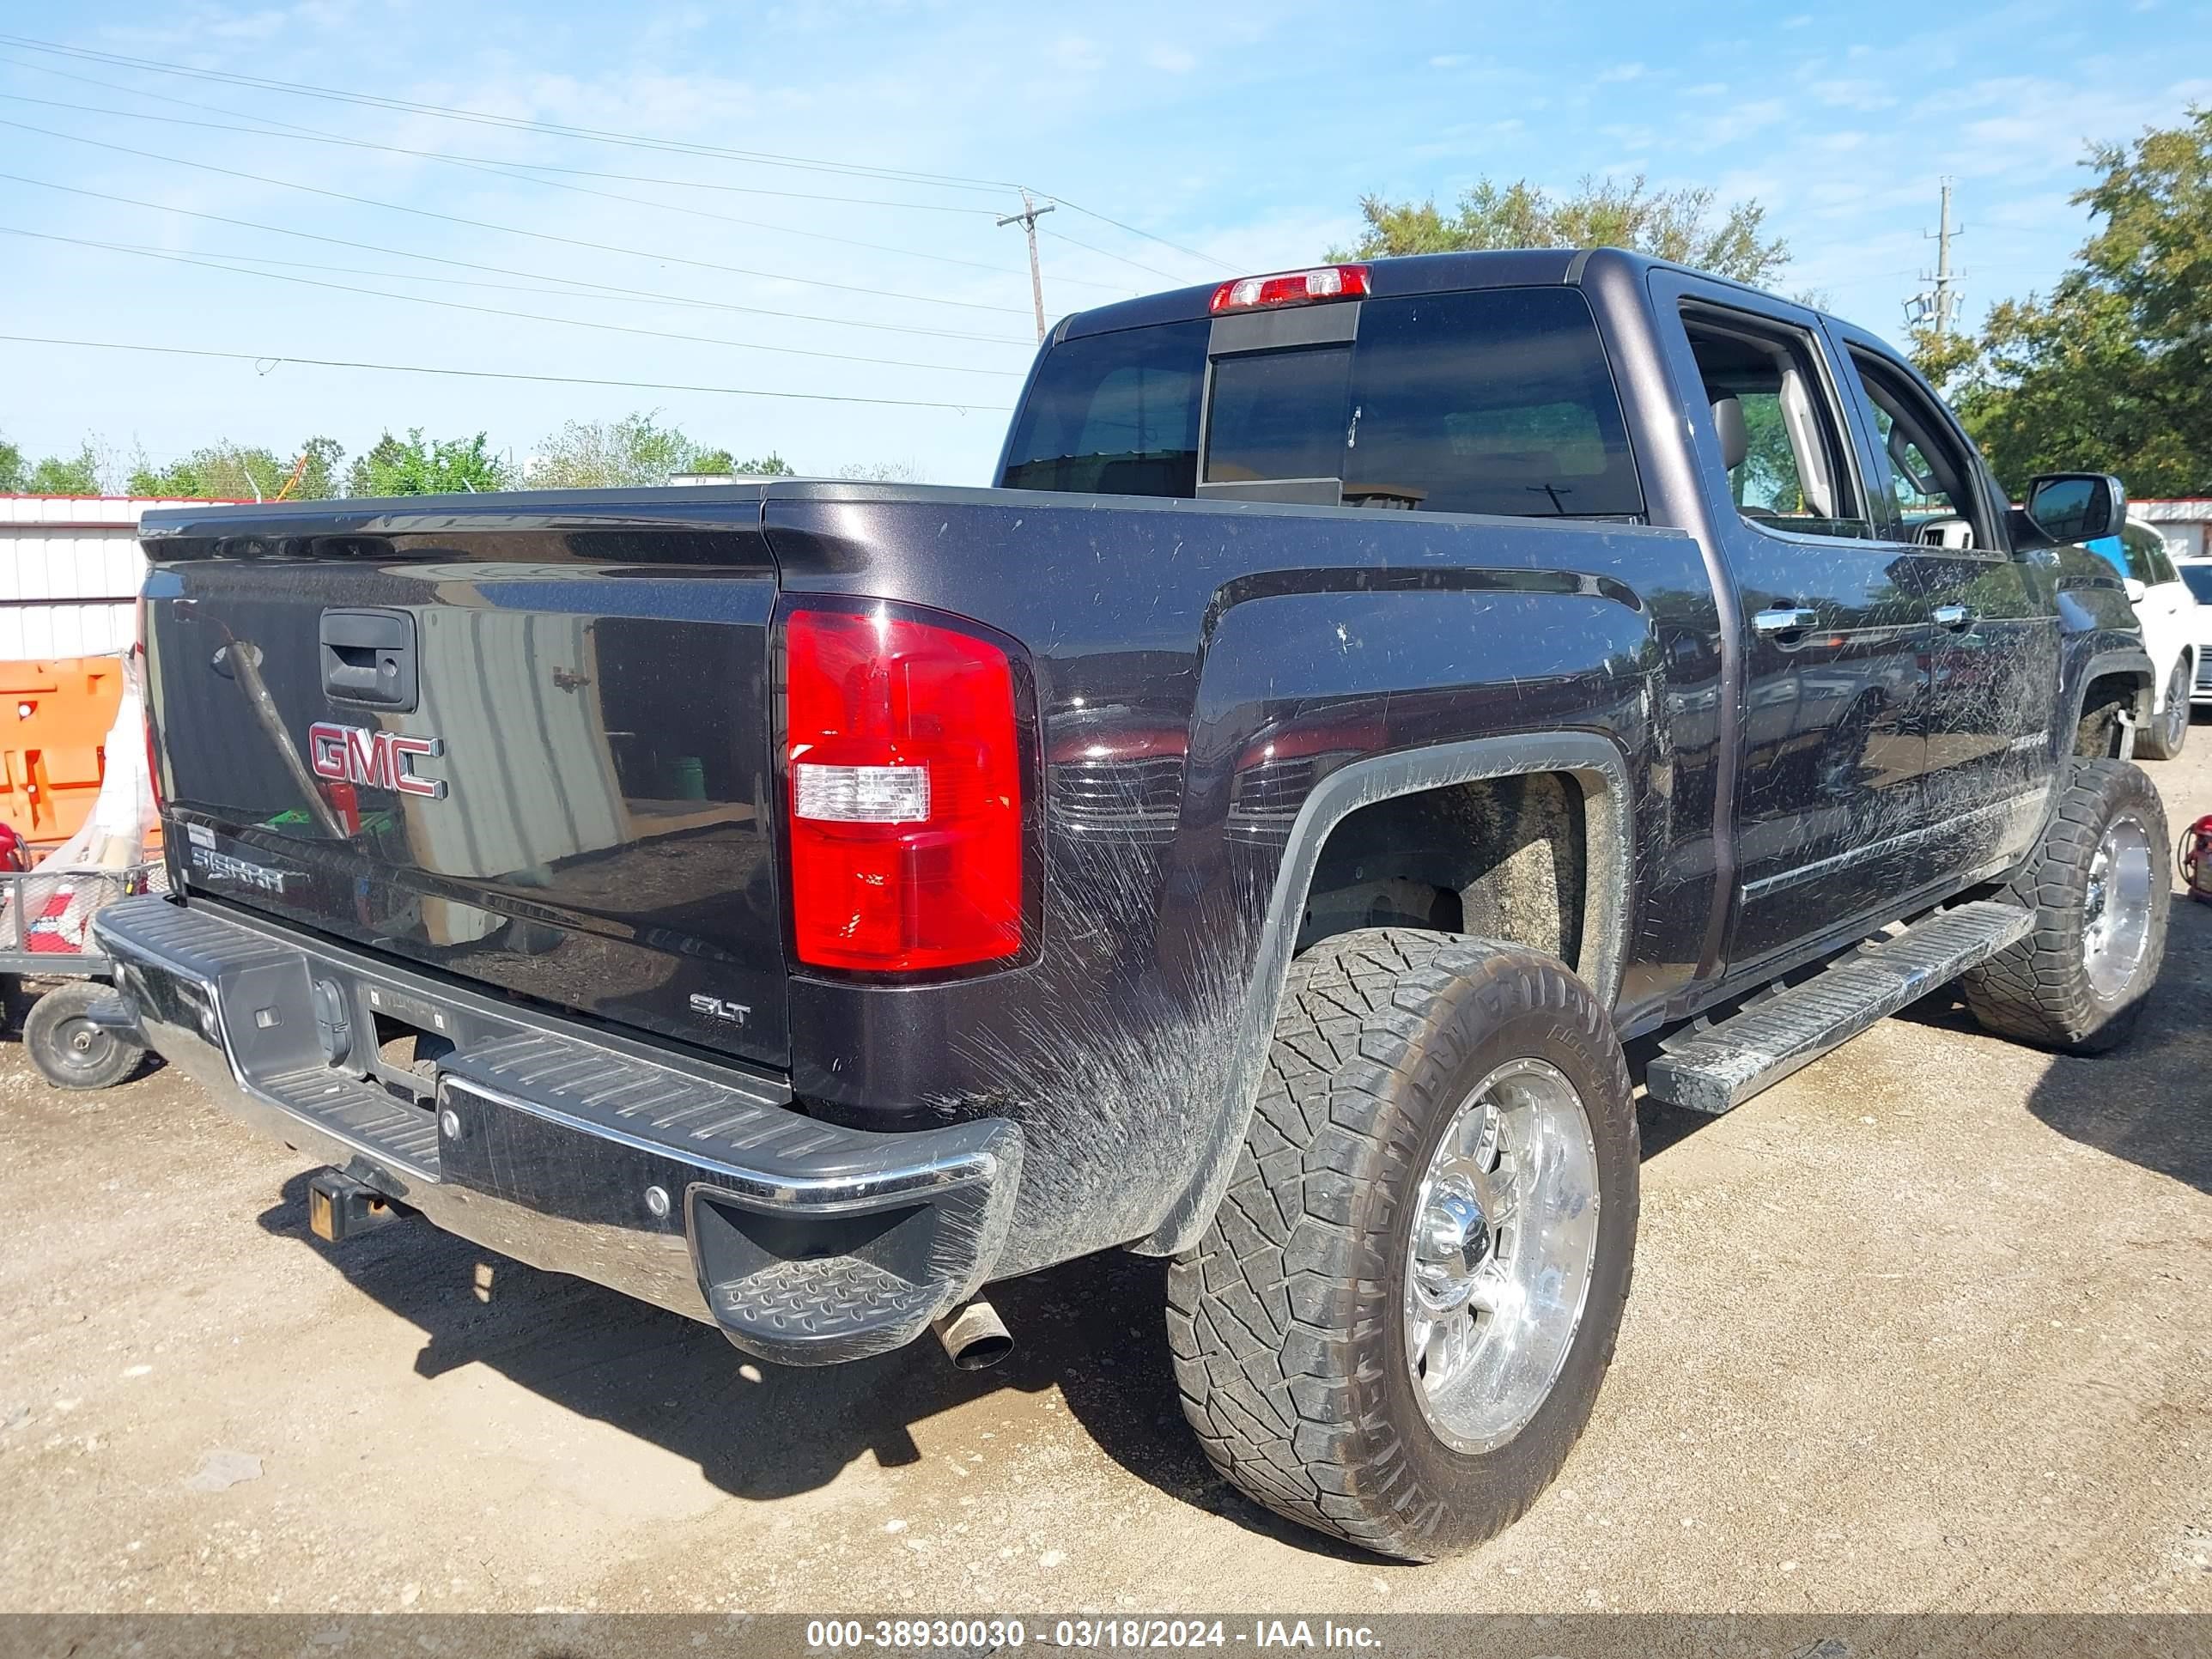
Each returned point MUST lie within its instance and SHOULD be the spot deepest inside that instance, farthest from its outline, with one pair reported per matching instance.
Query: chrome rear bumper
(693, 1187)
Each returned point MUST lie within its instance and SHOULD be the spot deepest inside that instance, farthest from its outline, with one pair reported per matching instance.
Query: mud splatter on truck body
(1510, 649)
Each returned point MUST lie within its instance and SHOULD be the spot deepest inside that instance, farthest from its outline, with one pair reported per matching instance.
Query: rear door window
(1778, 424)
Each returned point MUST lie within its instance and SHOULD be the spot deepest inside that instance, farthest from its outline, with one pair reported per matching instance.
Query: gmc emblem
(351, 754)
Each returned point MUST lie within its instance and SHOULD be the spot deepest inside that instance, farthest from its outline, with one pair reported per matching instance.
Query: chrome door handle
(1785, 619)
(1950, 616)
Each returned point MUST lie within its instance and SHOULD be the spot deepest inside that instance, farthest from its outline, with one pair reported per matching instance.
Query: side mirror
(2137, 591)
(2075, 507)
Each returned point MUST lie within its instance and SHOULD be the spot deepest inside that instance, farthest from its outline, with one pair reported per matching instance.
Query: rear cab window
(1114, 415)
(1485, 400)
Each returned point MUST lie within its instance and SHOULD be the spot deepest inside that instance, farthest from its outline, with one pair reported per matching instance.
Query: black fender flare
(1595, 762)
(2132, 661)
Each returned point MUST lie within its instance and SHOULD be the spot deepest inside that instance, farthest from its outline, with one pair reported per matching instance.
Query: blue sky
(1242, 135)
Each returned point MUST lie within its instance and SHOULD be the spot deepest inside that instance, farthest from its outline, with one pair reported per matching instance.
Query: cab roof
(1399, 273)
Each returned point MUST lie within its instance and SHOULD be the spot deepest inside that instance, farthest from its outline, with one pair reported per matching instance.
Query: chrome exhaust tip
(974, 1337)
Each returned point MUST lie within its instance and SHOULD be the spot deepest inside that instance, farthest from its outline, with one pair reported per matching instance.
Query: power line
(502, 170)
(276, 362)
(501, 311)
(535, 167)
(509, 230)
(1062, 236)
(599, 290)
(762, 158)
(226, 259)
(1092, 213)
(301, 90)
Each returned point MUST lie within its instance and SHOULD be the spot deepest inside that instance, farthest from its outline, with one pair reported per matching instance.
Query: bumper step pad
(578, 1150)
(1712, 1068)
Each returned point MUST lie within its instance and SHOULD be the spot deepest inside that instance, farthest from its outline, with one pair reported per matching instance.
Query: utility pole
(1946, 297)
(1027, 219)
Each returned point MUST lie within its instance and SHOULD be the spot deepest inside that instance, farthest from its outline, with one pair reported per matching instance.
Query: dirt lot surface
(1925, 1326)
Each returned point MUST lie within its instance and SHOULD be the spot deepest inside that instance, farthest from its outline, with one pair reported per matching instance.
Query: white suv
(2165, 604)
(2198, 573)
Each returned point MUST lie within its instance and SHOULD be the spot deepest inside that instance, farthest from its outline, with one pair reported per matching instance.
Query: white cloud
(976, 89)
(1076, 53)
(1740, 121)
(1854, 94)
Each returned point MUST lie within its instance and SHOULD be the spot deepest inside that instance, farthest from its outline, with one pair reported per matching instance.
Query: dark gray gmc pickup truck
(1247, 834)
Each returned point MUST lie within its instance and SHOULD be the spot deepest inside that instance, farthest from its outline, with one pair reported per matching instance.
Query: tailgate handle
(368, 659)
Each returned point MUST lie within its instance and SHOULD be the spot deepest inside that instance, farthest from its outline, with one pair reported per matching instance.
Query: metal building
(2183, 523)
(70, 569)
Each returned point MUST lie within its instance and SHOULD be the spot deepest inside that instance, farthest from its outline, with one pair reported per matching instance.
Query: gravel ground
(1923, 1327)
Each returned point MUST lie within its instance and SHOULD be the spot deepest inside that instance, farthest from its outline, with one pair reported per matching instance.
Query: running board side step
(1715, 1068)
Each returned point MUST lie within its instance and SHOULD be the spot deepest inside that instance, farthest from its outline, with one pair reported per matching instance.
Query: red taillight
(1292, 288)
(905, 794)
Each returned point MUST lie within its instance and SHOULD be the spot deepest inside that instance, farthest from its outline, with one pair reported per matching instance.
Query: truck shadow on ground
(2149, 1100)
(1091, 1328)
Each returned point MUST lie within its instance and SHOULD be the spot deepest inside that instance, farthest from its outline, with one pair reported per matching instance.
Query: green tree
(13, 471)
(1949, 360)
(314, 473)
(611, 454)
(222, 470)
(2114, 372)
(415, 466)
(1680, 225)
(884, 471)
(770, 465)
(66, 475)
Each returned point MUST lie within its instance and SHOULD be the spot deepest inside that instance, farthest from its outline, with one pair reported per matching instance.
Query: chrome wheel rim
(2177, 708)
(2116, 910)
(1499, 1254)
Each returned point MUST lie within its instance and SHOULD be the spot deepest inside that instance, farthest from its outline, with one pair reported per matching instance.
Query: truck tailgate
(531, 750)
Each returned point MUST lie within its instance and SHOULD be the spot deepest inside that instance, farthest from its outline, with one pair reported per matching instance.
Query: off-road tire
(2038, 990)
(69, 1050)
(1286, 1321)
(2163, 737)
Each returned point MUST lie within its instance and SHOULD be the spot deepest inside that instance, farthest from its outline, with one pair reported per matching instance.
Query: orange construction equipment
(54, 721)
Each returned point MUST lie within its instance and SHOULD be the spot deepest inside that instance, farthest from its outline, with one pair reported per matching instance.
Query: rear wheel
(1395, 1328)
(2163, 738)
(2099, 887)
(70, 1051)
